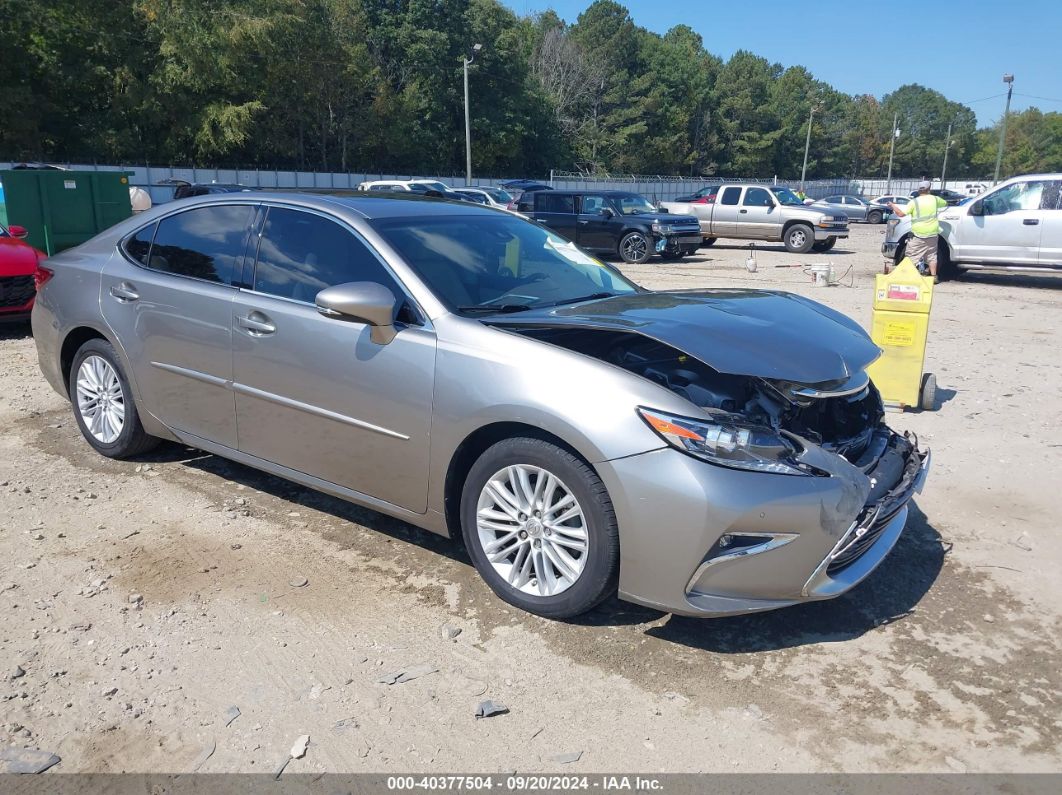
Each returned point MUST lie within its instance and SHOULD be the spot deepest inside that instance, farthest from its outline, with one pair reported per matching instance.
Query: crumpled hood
(666, 217)
(762, 333)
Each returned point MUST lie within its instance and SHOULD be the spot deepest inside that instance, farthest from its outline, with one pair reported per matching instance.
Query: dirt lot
(143, 599)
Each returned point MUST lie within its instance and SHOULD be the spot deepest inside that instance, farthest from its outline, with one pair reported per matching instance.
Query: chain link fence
(657, 188)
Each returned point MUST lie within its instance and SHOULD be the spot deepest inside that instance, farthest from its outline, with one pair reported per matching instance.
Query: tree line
(376, 86)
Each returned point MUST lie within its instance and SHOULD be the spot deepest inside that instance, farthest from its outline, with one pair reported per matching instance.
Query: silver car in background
(707, 453)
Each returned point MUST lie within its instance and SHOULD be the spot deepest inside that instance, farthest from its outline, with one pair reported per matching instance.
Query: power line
(1033, 96)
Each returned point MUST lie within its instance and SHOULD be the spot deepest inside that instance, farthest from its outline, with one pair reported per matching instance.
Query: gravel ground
(142, 600)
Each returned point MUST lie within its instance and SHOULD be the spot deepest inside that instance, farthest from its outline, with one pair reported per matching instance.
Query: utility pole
(1009, 80)
(468, 123)
(807, 146)
(892, 150)
(947, 146)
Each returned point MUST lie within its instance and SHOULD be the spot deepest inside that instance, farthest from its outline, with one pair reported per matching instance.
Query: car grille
(863, 539)
(15, 291)
(876, 517)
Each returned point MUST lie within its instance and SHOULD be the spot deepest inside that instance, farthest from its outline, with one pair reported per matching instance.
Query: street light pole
(1009, 80)
(468, 123)
(892, 150)
(807, 146)
(947, 146)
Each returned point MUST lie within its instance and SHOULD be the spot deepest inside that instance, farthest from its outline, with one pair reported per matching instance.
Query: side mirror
(365, 302)
(978, 207)
(17, 231)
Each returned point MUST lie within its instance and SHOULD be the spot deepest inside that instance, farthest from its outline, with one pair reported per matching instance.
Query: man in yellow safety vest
(923, 209)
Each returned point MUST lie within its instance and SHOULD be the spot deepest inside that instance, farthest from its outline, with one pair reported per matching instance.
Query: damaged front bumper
(788, 539)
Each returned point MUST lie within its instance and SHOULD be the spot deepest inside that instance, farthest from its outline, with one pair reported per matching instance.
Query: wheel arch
(793, 222)
(72, 343)
(473, 446)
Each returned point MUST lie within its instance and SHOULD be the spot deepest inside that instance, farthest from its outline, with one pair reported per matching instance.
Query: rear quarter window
(138, 246)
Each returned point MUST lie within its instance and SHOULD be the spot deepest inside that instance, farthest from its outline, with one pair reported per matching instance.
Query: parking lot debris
(407, 674)
(17, 672)
(26, 760)
(110, 691)
(450, 632)
(567, 759)
(280, 768)
(489, 708)
(205, 754)
(298, 582)
(231, 714)
(136, 599)
(298, 751)
(678, 698)
(754, 712)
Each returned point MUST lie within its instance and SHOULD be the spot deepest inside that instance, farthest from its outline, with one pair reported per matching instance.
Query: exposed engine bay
(846, 424)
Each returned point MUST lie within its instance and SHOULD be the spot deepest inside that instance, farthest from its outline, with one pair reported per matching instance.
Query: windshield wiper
(593, 297)
(494, 309)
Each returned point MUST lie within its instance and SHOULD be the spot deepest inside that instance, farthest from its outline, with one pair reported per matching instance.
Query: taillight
(41, 276)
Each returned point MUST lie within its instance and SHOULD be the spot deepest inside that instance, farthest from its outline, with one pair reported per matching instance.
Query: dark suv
(613, 222)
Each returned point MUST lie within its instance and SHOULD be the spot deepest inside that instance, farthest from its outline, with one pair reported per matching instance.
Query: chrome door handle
(124, 292)
(256, 326)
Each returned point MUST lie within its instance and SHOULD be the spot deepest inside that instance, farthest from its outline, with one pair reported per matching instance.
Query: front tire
(708, 241)
(799, 238)
(824, 245)
(540, 528)
(875, 217)
(103, 403)
(635, 248)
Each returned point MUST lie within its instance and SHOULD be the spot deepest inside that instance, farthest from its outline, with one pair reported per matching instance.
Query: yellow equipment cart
(902, 300)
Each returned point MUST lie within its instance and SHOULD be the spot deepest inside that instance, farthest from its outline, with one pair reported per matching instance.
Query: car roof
(379, 205)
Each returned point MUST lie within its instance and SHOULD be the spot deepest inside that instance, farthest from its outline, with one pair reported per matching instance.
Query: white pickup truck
(1015, 226)
(760, 212)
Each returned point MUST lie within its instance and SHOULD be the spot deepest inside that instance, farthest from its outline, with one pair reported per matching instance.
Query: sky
(870, 47)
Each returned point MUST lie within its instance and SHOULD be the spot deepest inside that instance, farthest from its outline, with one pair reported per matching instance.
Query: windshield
(484, 263)
(786, 196)
(499, 195)
(633, 204)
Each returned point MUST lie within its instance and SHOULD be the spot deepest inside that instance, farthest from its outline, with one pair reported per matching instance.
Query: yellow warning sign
(900, 333)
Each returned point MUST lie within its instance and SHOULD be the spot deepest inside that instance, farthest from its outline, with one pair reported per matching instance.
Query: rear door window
(301, 254)
(1051, 198)
(546, 201)
(731, 196)
(205, 243)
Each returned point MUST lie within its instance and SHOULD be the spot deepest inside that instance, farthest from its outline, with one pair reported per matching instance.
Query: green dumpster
(61, 209)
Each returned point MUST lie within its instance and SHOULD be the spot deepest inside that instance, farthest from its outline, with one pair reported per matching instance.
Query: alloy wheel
(100, 399)
(635, 248)
(532, 530)
(797, 238)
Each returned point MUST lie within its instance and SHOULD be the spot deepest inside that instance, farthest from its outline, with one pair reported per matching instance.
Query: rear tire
(103, 403)
(824, 245)
(510, 482)
(875, 217)
(799, 238)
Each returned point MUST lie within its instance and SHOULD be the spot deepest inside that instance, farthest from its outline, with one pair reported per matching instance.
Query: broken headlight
(728, 441)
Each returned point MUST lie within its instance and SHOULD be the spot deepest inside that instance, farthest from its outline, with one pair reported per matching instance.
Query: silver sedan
(706, 453)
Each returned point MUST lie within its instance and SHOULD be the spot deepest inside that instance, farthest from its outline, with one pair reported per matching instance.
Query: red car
(20, 274)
